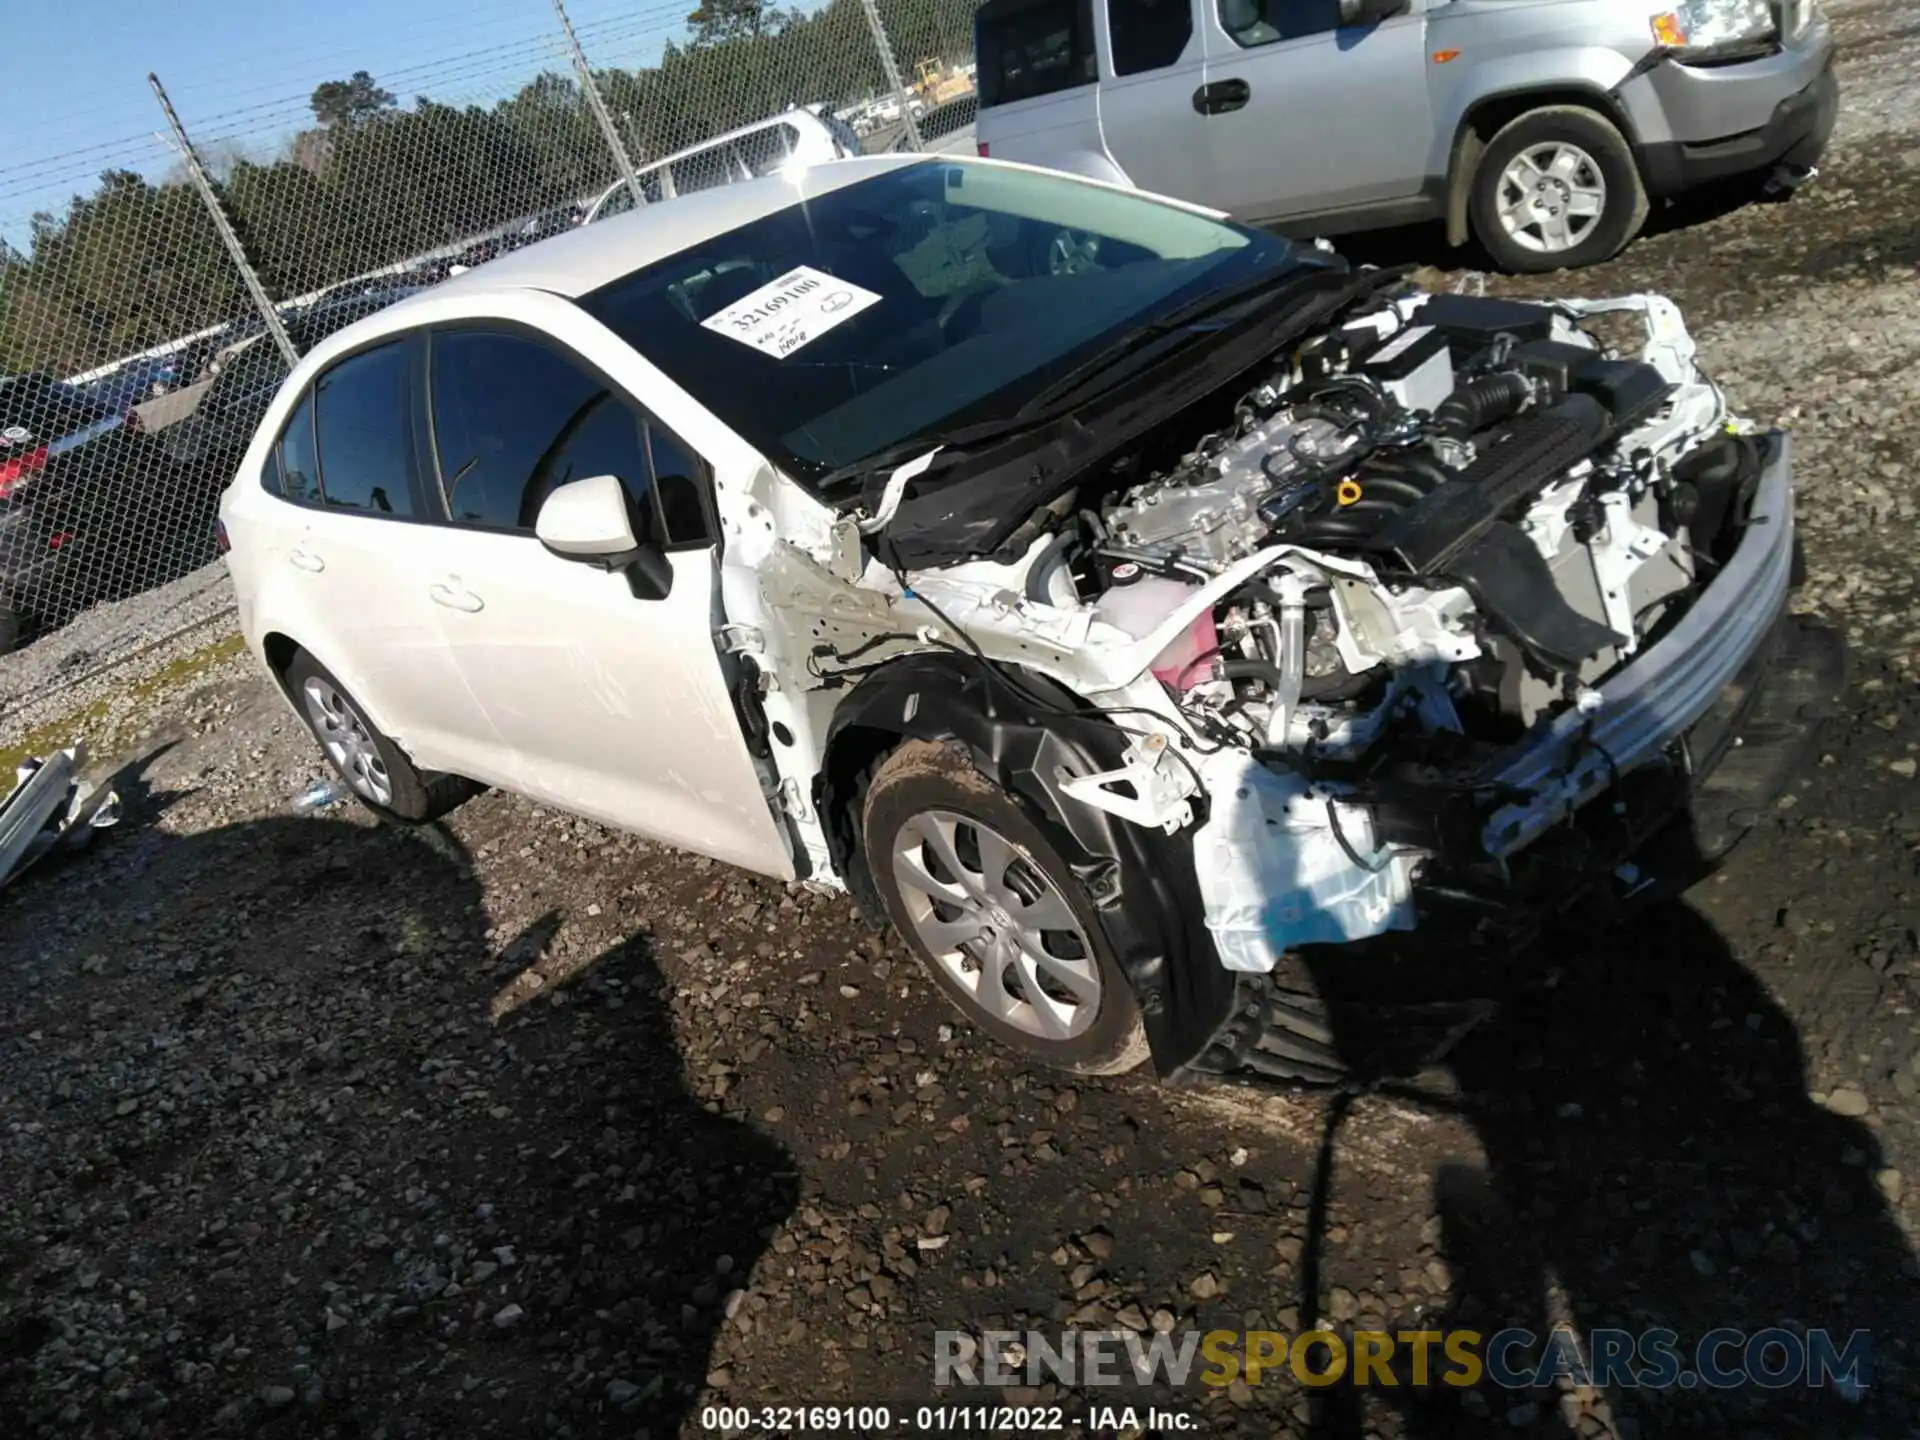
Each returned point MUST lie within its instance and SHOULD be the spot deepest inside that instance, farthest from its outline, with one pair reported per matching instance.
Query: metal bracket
(1159, 785)
(742, 640)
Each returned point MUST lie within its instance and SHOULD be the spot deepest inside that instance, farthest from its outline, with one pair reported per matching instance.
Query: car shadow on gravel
(1426, 244)
(285, 1172)
(1650, 1159)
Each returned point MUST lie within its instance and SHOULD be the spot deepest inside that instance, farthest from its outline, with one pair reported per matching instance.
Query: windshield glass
(917, 301)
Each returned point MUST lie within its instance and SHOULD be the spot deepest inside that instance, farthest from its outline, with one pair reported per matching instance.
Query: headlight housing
(1716, 24)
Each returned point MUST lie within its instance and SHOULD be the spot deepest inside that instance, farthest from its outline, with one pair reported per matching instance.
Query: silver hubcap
(1070, 253)
(997, 925)
(1551, 197)
(348, 743)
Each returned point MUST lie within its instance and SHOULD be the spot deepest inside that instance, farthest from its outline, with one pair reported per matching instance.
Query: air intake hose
(1480, 403)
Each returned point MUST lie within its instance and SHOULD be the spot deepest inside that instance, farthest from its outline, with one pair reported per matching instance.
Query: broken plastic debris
(50, 808)
(318, 796)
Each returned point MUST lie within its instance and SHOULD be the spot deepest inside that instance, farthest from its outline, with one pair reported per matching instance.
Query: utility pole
(599, 107)
(203, 182)
(891, 71)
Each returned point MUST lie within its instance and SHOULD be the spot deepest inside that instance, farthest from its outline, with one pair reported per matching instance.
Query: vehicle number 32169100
(794, 310)
(881, 1420)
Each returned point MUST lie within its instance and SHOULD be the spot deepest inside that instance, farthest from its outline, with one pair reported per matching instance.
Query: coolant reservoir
(1137, 602)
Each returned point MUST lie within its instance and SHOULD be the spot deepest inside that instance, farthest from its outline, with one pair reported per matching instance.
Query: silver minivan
(1542, 128)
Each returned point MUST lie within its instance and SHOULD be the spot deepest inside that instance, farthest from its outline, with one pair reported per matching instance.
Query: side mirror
(1370, 12)
(590, 521)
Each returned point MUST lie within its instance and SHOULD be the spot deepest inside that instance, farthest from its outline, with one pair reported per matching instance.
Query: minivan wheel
(993, 913)
(378, 772)
(1555, 189)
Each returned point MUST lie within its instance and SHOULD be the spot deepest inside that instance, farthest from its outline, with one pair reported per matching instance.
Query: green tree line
(137, 262)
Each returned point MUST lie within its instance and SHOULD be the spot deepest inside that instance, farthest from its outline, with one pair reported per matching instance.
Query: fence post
(891, 71)
(599, 108)
(204, 184)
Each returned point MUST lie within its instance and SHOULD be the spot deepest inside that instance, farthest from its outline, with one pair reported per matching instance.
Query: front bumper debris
(49, 807)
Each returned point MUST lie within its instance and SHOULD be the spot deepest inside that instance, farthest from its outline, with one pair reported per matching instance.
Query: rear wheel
(997, 918)
(10, 625)
(378, 772)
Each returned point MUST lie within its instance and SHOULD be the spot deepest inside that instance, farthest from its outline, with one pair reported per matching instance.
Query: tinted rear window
(1033, 47)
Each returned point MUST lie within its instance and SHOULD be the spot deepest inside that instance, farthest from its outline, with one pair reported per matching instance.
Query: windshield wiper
(1062, 395)
(1133, 348)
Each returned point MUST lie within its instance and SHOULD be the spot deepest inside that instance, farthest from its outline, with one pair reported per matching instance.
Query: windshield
(915, 302)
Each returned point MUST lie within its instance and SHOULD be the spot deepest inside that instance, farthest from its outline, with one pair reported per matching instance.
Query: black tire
(922, 777)
(1624, 208)
(414, 796)
(11, 627)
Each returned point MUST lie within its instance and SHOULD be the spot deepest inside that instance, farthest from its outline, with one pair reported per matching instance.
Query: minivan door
(1310, 116)
(1153, 70)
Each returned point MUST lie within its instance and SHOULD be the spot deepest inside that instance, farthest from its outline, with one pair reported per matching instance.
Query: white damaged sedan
(1122, 602)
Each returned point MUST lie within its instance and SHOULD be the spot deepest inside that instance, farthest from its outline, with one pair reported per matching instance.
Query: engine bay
(1475, 510)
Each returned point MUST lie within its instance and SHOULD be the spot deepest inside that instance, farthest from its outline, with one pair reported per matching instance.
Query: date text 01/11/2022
(940, 1419)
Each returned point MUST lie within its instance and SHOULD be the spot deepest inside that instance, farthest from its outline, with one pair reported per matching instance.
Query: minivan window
(764, 151)
(1029, 48)
(363, 429)
(513, 420)
(1252, 23)
(1148, 34)
(704, 170)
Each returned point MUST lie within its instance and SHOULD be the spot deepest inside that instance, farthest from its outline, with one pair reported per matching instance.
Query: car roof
(582, 260)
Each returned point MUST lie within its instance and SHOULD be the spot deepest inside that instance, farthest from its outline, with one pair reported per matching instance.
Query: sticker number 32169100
(795, 310)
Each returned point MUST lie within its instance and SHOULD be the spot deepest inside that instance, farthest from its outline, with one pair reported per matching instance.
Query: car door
(1153, 72)
(348, 463)
(604, 704)
(1308, 116)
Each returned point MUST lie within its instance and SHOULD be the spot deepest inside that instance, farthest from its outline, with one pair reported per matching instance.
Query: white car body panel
(498, 660)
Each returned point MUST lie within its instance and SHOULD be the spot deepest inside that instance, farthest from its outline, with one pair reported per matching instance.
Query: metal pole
(204, 184)
(891, 71)
(599, 108)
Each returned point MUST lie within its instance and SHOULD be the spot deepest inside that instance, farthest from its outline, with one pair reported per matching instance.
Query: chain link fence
(146, 322)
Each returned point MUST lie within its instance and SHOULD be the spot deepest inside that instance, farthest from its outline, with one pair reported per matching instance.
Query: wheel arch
(1142, 883)
(1489, 114)
(278, 649)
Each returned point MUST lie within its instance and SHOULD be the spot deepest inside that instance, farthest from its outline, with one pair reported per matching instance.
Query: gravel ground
(518, 1126)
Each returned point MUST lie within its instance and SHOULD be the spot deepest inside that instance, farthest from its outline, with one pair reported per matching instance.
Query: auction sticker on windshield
(795, 310)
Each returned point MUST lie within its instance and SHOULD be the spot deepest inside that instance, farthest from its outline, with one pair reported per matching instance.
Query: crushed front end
(1463, 610)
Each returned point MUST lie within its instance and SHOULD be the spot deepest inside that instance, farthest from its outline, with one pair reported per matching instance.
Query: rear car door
(604, 704)
(348, 463)
(1308, 116)
(1153, 72)
(1038, 74)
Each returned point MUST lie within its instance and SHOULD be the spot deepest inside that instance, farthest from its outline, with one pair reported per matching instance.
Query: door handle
(306, 560)
(1221, 96)
(455, 599)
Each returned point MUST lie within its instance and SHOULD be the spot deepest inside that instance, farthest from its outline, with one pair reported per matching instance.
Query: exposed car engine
(1476, 510)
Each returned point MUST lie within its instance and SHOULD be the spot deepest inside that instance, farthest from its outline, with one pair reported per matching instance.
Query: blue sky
(240, 71)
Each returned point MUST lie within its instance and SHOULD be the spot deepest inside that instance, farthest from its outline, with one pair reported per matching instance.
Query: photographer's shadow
(469, 1172)
(1650, 1158)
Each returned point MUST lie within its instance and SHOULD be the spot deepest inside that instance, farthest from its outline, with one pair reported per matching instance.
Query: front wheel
(1555, 189)
(997, 918)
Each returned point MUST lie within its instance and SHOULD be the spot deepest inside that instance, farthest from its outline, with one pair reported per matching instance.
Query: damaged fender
(1141, 880)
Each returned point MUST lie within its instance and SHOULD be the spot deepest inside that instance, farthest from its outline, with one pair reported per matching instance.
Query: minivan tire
(414, 796)
(929, 789)
(1623, 205)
